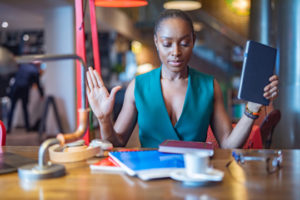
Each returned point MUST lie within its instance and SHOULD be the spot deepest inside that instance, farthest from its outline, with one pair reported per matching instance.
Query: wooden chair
(267, 127)
(2, 134)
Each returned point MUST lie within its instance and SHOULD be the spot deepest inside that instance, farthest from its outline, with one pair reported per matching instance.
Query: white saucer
(211, 175)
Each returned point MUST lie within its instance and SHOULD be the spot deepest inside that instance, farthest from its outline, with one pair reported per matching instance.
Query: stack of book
(152, 164)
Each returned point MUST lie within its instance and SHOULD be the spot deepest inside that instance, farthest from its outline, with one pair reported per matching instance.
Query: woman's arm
(221, 124)
(102, 105)
(127, 118)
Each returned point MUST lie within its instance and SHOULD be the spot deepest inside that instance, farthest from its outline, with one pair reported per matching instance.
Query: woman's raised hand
(271, 90)
(101, 101)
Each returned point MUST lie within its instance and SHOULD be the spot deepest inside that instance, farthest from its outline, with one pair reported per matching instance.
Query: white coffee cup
(196, 162)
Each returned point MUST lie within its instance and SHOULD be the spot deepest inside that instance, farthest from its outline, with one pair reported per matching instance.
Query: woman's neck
(171, 75)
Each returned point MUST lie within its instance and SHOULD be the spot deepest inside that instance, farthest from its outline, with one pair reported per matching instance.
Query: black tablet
(10, 162)
(258, 67)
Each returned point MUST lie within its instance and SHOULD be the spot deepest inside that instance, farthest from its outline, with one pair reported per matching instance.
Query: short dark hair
(173, 13)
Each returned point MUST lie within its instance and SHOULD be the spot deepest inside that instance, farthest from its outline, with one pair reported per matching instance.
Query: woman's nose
(176, 50)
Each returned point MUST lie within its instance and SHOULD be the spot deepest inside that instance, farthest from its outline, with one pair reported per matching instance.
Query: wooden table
(251, 181)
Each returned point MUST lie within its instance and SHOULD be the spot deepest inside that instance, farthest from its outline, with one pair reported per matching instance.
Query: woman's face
(174, 41)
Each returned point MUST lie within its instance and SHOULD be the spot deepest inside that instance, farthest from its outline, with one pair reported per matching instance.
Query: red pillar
(80, 51)
(96, 51)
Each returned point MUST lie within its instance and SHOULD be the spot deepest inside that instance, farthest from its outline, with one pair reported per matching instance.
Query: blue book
(258, 67)
(148, 164)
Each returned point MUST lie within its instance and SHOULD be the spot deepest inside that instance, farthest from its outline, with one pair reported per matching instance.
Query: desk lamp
(8, 64)
(44, 169)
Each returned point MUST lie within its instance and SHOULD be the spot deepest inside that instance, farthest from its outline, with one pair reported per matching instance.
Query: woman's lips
(175, 62)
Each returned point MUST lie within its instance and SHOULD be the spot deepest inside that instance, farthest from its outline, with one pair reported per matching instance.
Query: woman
(173, 101)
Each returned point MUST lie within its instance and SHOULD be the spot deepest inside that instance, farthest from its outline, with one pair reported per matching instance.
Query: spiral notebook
(258, 67)
(148, 164)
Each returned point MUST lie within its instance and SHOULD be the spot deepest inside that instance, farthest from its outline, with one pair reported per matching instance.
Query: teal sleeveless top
(155, 125)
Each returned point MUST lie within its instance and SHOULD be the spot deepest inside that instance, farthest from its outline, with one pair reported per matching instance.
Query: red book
(175, 146)
(106, 164)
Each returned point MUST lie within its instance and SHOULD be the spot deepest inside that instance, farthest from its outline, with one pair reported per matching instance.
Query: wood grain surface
(248, 181)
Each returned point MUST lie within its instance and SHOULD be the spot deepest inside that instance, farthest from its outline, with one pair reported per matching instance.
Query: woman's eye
(166, 44)
(185, 44)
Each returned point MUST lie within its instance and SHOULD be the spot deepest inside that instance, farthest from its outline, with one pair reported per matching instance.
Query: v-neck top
(154, 122)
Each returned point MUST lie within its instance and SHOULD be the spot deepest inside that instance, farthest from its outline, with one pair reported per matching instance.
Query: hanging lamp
(182, 5)
(121, 3)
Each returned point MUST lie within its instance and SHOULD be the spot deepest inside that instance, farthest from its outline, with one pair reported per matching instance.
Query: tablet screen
(9, 162)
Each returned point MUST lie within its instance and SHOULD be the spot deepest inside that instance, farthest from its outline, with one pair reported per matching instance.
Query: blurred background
(127, 49)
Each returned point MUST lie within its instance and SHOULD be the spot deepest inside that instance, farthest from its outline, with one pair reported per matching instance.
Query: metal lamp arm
(55, 57)
(83, 112)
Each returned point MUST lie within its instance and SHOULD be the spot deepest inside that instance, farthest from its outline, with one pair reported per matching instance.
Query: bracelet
(249, 111)
(250, 114)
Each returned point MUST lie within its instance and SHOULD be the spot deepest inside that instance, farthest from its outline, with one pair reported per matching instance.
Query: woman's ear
(156, 43)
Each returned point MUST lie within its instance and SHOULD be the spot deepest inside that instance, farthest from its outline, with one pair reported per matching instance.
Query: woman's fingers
(274, 82)
(87, 89)
(273, 78)
(95, 83)
(114, 92)
(98, 78)
(271, 85)
(271, 96)
(271, 90)
(271, 93)
(274, 89)
(92, 76)
(90, 83)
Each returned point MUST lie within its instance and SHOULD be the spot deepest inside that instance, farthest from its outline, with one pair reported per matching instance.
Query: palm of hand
(100, 102)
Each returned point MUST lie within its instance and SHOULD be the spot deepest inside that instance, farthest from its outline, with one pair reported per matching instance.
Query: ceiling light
(26, 37)
(121, 3)
(4, 24)
(182, 5)
(240, 7)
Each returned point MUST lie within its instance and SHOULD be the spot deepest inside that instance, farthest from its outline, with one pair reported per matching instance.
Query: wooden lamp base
(72, 154)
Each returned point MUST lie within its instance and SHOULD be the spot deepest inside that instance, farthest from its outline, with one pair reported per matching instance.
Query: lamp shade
(121, 3)
(182, 5)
